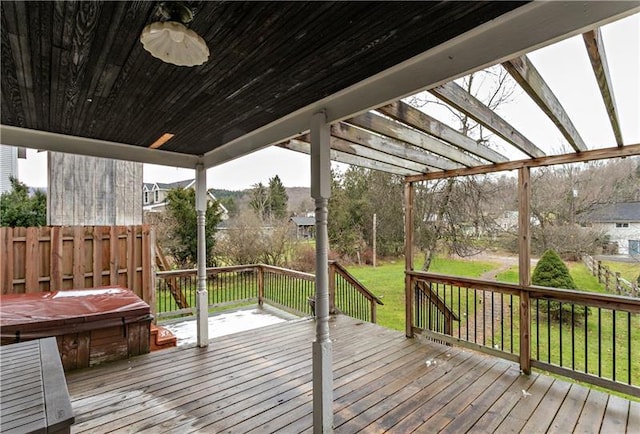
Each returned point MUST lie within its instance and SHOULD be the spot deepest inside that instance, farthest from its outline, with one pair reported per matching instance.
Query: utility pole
(374, 240)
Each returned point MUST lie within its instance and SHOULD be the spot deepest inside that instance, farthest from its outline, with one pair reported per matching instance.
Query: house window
(622, 225)
(146, 197)
(156, 196)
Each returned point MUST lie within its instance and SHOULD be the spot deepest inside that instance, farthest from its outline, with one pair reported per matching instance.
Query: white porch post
(322, 348)
(202, 302)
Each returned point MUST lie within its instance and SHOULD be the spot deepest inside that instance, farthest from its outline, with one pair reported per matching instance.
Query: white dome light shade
(173, 43)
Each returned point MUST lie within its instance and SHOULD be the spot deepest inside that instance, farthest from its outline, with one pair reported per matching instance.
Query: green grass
(387, 282)
(581, 276)
(628, 271)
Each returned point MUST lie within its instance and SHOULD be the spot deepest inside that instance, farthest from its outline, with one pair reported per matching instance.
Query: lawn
(387, 282)
(584, 280)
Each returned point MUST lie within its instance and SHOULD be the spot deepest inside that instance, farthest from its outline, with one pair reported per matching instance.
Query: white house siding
(621, 236)
(88, 191)
(8, 166)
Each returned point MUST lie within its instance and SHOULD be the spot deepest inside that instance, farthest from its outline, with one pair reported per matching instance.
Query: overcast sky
(565, 67)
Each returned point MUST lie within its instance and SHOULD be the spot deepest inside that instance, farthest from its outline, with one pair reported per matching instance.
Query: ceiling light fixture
(170, 40)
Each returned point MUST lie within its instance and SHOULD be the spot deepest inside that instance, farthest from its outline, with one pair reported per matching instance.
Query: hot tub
(91, 326)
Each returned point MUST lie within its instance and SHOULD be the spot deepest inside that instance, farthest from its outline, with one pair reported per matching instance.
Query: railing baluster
(573, 338)
(599, 342)
(613, 342)
(629, 340)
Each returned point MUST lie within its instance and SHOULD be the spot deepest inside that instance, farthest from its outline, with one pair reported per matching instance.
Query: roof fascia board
(47, 141)
(515, 33)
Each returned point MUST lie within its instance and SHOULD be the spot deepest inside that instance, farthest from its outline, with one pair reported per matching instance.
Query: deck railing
(350, 296)
(589, 337)
(287, 289)
(290, 290)
(176, 290)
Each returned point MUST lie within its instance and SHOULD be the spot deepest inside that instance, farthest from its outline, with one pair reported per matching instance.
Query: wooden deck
(260, 381)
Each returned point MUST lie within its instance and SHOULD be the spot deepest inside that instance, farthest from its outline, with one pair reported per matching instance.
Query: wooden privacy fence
(54, 258)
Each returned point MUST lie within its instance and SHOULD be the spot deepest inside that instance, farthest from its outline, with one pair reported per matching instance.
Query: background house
(154, 195)
(8, 166)
(621, 222)
(304, 227)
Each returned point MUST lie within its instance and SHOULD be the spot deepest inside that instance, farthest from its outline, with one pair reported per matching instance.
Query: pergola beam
(595, 154)
(390, 128)
(342, 157)
(457, 97)
(530, 80)
(415, 118)
(595, 49)
(389, 145)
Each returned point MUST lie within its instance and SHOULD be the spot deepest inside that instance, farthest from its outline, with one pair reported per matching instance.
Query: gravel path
(483, 325)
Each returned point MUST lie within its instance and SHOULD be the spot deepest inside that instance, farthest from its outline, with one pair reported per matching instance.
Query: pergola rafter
(595, 49)
(390, 128)
(421, 121)
(529, 79)
(390, 146)
(454, 95)
(346, 158)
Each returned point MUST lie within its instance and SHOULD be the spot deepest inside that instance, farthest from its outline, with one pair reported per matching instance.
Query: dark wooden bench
(34, 396)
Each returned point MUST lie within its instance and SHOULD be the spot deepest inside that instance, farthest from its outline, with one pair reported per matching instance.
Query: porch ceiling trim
(47, 141)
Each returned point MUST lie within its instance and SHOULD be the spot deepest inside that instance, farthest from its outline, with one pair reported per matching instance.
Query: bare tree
(451, 212)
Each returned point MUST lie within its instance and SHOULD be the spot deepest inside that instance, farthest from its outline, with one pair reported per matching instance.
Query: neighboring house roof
(616, 212)
(178, 184)
(187, 183)
(304, 221)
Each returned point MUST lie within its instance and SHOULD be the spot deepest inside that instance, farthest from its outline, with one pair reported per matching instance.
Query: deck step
(162, 338)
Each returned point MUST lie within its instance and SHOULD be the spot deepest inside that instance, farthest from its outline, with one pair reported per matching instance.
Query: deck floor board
(260, 381)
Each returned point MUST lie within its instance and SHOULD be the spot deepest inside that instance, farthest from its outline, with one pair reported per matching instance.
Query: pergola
(304, 76)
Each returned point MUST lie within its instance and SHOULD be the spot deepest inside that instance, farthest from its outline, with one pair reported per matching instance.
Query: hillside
(299, 202)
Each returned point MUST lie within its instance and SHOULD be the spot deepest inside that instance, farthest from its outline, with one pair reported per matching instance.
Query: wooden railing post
(524, 263)
(260, 269)
(332, 287)
(374, 317)
(408, 256)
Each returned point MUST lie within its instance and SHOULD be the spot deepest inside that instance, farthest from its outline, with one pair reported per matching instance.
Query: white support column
(322, 347)
(202, 300)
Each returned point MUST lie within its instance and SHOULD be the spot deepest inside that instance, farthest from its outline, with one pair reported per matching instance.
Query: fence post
(599, 271)
(332, 287)
(607, 279)
(617, 282)
(260, 285)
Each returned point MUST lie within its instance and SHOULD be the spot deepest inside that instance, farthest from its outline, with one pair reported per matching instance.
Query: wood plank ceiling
(78, 69)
